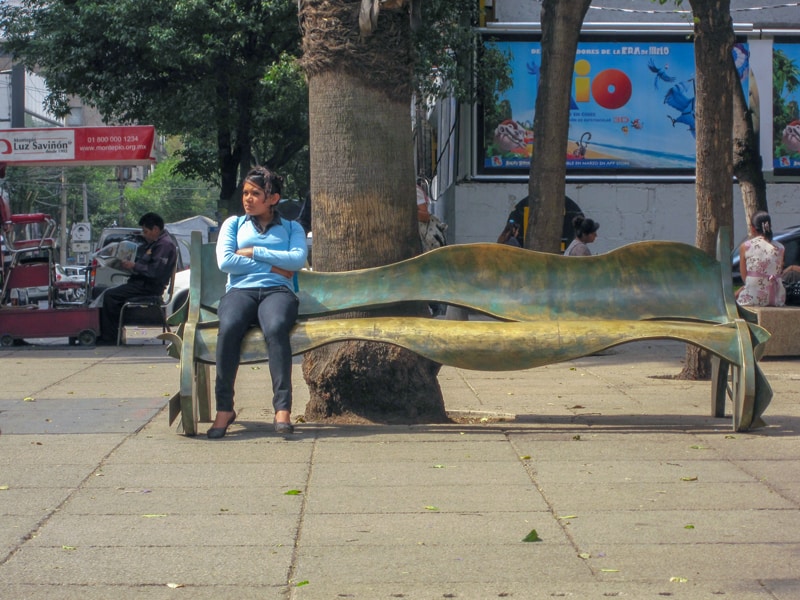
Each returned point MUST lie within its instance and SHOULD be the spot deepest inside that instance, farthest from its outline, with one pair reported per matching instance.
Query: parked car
(110, 235)
(790, 238)
(71, 282)
(70, 274)
(180, 291)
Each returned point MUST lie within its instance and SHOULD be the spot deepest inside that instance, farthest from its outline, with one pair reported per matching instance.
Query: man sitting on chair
(150, 275)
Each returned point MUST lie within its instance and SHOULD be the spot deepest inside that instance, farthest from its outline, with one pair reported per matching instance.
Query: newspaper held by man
(125, 252)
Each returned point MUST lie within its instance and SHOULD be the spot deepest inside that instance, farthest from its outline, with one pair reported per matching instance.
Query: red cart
(80, 324)
(31, 271)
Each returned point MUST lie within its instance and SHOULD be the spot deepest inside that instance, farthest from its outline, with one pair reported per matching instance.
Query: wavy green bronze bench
(548, 309)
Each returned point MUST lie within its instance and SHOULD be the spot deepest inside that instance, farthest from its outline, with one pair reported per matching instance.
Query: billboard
(786, 108)
(632, 108)
(122, 145)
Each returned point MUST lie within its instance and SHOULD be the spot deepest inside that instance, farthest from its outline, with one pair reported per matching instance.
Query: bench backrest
(645, 280)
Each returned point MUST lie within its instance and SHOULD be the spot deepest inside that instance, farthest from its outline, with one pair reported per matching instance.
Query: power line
(689, 12)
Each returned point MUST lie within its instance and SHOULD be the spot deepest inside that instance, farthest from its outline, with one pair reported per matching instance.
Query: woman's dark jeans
(274, 310)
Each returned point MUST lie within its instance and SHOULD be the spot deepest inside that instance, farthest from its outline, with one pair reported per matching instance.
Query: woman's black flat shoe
(282, 427)
(216, 433)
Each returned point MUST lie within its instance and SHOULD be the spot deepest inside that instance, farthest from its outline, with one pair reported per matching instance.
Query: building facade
(630, 163)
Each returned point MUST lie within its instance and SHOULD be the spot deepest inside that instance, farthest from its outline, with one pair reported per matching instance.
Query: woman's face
(255, 200)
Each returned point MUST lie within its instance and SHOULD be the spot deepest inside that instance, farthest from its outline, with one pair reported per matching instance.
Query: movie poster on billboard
(632, 108)
(786, 108)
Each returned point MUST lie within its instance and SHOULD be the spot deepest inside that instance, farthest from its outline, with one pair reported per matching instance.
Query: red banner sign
(130, 145)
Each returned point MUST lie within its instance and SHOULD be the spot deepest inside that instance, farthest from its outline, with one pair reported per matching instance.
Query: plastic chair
(149, 303)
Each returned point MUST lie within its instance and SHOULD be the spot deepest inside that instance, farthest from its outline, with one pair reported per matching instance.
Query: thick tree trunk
(746, 156)
(364, 209)
(369, 382)
(362, 175)
(561, 26)
(713, 47)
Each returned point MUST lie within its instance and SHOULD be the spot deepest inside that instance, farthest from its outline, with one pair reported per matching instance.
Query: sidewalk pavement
(633, 490)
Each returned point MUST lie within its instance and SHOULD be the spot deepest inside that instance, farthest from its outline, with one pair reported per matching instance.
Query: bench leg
(188, 415)
(727, 383)
(204, 393)
(719, 386)
(188, 394)
(762, 399)
(739, 383)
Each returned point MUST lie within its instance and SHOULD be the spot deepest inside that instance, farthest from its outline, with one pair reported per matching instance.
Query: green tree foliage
(217, 73)
(39, 189)
(172, 196)
(446, 60)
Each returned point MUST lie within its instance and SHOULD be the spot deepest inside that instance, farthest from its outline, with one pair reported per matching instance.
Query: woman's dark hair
(762, 223)
(266, 179)
(584, 226)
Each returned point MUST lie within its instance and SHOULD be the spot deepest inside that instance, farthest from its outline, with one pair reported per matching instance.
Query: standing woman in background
(761, 265)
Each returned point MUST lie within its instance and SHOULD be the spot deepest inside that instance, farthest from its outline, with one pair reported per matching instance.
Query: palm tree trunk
(364, 205)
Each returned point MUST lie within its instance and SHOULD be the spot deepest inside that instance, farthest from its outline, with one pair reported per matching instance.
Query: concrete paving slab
(610, 471)
(150, 566)
(412, 565)
(594, 459)
(38, 502)
(387, 473)
(202, 476)
(783, 589)
(539, 589)
(602, 445)
(709, 563)
(689, 526)
(781, 470)
(169, 448)
(588, 496)
(447, 498)
(201, 500)
(41, 449)
(445, 455)
(167, 530)
(65, 476)
(789, 490)
(445, 432)
(71, 418)
(429, 528)
(168, 591)
(15, 530)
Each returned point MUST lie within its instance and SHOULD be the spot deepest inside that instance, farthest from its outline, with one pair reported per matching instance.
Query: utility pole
(123, 175)
(62, 235)
(85, 203)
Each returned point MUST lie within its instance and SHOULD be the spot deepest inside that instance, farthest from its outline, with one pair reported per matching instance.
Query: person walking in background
(761, 265)
(431, 228)
(510, 234)
(260, 253)
(585, 233)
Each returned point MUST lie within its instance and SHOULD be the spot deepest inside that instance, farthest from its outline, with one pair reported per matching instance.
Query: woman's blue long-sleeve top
(282, 245)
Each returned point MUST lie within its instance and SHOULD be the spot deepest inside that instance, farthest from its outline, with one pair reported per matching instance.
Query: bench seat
(546, 308)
